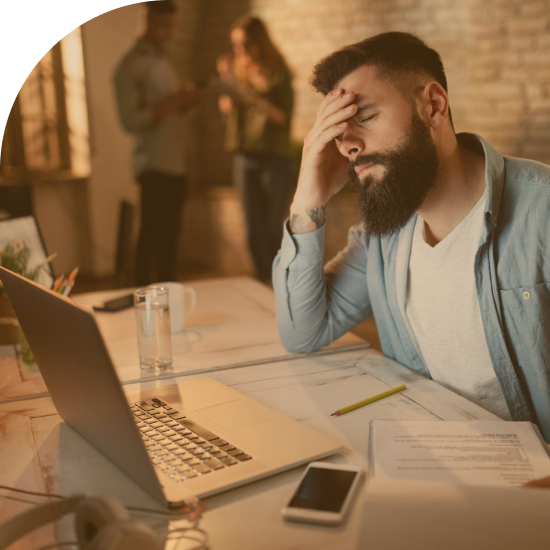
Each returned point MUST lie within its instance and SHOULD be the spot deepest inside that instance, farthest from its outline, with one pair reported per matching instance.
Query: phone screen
(117, 304)
(323, 489)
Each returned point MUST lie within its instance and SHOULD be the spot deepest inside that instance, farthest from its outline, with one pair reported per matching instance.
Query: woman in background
(258, 106)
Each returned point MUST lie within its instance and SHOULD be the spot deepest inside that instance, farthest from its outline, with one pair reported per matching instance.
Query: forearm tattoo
(317, 215)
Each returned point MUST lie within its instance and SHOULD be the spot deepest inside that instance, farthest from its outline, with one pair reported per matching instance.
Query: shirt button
(526, 295)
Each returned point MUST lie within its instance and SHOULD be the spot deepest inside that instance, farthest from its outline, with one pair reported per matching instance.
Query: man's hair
(398, 56)
(160, 7)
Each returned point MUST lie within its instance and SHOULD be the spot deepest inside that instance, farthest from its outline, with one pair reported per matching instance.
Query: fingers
(337, 117)
(329, 98)
(334, 111)
(328, 125)
(335, 108)
(336, 100)
(327, 136)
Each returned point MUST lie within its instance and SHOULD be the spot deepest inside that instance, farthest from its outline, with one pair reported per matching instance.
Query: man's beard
(388, 204)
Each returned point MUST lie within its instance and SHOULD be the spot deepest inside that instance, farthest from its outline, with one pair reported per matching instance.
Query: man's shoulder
(526, 197)
(529, 172)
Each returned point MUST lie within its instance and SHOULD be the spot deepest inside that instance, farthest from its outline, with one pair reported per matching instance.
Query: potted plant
(15, 257)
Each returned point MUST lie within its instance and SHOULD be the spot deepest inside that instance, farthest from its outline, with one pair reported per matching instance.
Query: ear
(434, 104)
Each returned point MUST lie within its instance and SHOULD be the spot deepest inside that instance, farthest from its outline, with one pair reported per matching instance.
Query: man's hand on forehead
(337, 107)
(323, 171)
(363, 109)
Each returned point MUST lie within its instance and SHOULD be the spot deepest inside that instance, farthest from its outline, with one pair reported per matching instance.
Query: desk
(38, 450)
(234, 325)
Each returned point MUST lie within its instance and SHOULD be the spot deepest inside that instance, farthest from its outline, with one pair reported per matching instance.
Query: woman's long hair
(270, 58)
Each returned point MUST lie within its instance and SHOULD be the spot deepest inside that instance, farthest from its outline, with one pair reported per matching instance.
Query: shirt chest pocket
(527, 315)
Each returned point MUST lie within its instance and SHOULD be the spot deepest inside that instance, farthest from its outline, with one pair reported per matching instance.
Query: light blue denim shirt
(316, 304)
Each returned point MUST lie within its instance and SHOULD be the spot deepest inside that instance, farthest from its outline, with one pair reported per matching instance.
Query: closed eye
(367, 118)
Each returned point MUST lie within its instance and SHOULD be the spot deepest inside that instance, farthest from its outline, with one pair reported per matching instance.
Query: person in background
(150, 101)
(258, 106)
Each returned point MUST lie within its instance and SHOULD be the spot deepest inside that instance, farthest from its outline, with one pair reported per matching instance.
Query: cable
(203, 543)
(33, 493)
(192, 514)
(193, 510)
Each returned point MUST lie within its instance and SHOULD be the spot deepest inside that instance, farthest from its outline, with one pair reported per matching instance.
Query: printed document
(494, 453)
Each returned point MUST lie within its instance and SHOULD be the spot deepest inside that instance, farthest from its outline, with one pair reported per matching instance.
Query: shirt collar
(494, 172)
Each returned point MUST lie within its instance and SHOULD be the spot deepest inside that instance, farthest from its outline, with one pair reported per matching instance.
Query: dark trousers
(264, 183)
(162, 198)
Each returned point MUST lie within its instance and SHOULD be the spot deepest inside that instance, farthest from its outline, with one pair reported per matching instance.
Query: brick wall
(509, 72)
(496, 53)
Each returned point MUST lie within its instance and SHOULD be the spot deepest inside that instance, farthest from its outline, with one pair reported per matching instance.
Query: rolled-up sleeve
(317, 305)
(134, 114)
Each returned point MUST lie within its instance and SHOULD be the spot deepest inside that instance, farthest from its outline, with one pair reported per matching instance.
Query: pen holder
(26, 352)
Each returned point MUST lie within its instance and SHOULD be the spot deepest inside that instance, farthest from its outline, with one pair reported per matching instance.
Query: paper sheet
(494, 453)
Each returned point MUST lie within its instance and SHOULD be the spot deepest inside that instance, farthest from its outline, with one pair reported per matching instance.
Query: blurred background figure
(258, 103)
(150, 101)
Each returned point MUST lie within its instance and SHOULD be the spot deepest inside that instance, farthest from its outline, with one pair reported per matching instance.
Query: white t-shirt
(443, 310)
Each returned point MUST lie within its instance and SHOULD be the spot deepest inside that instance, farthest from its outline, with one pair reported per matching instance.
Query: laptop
(214, 439)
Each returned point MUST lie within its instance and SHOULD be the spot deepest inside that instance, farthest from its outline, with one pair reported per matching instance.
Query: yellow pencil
(372, 399)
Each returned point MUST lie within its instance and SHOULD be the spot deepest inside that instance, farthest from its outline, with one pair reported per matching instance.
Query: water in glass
(153, 331)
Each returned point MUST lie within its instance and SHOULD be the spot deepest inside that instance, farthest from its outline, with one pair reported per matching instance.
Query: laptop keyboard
(180, 447)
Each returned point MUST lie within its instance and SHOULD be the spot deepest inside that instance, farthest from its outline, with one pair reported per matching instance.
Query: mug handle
(193, 294)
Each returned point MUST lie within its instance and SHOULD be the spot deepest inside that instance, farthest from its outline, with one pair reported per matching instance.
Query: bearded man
(452, 255)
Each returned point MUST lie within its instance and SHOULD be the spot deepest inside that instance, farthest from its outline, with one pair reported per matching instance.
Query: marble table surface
(234, 324)
(38, 451)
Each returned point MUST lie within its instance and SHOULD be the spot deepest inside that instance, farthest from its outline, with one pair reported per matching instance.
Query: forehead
(369, 87)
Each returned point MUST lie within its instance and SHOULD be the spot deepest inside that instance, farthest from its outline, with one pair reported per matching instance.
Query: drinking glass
(153, 328)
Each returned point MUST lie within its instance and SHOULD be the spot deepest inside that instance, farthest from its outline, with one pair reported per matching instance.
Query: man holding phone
(452, 255)
(150, 102)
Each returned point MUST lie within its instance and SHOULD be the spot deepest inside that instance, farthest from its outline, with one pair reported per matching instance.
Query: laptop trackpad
(237, 415)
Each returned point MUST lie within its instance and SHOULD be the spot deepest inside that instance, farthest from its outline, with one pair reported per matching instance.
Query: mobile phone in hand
(116, 304)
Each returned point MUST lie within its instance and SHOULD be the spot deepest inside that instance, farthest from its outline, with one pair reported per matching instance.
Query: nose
(351, 144)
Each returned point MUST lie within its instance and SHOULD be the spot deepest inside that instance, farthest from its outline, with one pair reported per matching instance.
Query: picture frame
(25, 229)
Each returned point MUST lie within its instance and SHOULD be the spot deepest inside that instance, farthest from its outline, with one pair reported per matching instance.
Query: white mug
(176, 297)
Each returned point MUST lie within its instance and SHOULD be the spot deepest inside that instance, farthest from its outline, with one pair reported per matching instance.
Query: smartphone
(116, 304)
(324, 494)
